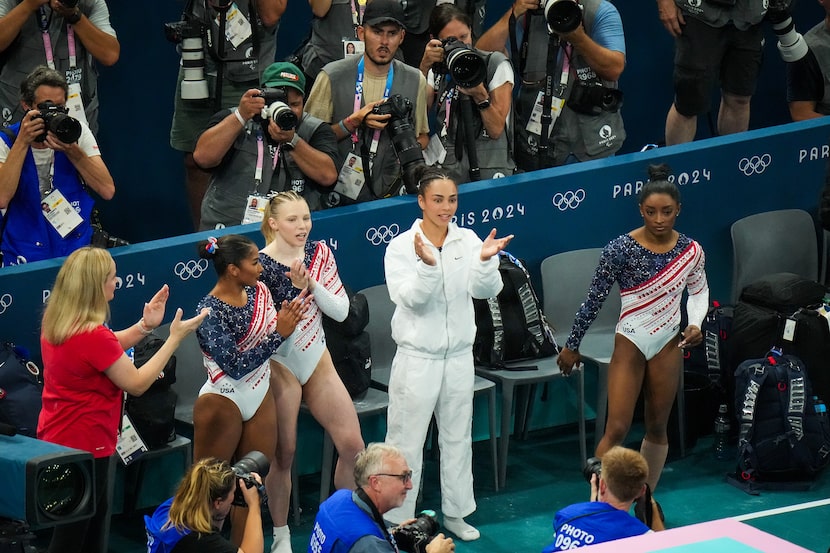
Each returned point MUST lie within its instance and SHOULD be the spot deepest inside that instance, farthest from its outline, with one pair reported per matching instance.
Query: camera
(255, 461)
(791, 44)
(414, 537)
(464, 64)
(189, 34)
(402, 133)
(562, 16)
(594, 99)
(592, 466)
(70, 4)
(65, 127)
(276, 108)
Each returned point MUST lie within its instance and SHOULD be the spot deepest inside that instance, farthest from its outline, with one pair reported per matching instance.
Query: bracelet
(143, 329)
(343, 126)
(350, 122)
(239, 117)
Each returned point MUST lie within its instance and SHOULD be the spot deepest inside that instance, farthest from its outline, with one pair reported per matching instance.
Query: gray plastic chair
(566, 278)
(379, 328)
(782, 241)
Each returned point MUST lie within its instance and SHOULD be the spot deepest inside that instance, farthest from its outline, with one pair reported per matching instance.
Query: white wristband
(239, 116)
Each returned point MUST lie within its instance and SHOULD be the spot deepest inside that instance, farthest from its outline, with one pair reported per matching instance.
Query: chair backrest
(379, 328)
(566, 278)
(782, 241)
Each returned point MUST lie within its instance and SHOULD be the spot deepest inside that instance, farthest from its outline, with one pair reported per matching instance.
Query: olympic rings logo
(5, 302)
(754, 165)
(190, 269)
(568, 200)
(382, 234)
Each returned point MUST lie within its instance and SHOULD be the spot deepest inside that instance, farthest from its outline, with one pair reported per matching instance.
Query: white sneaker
(461, 529)
(282, 540)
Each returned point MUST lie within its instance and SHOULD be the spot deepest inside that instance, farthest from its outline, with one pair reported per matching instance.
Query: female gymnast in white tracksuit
(433, 271)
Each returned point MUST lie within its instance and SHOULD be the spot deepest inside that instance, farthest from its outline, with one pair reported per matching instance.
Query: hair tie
(211, 244)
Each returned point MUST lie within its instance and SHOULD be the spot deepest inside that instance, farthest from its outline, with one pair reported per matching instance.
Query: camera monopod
(468, 127)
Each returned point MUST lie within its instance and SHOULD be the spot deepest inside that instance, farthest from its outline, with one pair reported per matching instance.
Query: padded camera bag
(349, 345)
(153, 413)
(21, 387)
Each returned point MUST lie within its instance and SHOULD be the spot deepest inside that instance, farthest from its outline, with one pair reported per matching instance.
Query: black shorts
(705, 54)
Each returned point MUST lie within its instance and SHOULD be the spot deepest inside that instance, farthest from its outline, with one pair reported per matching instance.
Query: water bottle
(722, 426)
(819, 406)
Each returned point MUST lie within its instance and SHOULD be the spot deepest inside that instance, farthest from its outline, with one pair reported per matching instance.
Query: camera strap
(377, 517)
(547, 100)
(44, 21)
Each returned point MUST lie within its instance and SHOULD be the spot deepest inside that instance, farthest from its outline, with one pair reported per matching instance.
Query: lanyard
(43, 21)
(450, 93)
(260, 155)
(357, 13)
(358, 100)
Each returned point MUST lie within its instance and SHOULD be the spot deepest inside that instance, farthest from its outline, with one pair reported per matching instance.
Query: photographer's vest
(328, 34)
(341, 522)
(249, 59)
(386, 172)
(743, 15)
(27, 235)
(584, 136)
(27, 51)
(494, 156)
(818, 40)
(232, 182)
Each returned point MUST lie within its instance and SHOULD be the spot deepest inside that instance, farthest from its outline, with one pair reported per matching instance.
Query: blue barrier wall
(137, 103)
(551, 211)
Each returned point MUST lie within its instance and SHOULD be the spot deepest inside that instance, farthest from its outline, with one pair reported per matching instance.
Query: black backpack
(783, 441)
(153, 413)
(349, 346)
(21, 386)
(511, 326)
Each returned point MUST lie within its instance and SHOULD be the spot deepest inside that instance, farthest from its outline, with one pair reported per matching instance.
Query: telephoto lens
(257, 462)
(592, 466)
(563, 16)
(415, 536)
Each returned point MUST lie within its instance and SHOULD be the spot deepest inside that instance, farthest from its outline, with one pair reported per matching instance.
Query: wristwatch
(291, 144)
(484, 104)
(74, 17)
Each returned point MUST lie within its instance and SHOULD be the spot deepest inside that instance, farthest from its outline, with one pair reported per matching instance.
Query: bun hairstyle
(230, 249)
(423, 175)
(659, 183)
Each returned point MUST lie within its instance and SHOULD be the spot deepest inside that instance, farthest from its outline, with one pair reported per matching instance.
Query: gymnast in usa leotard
(302, 368)
(653, 265)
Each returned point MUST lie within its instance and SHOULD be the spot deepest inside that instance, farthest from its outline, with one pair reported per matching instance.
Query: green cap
(283, 73)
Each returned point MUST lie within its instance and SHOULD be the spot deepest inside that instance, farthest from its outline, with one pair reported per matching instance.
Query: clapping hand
(293, 312)
(492, 245)
(423, 251)
(299, 275)
(153, 313)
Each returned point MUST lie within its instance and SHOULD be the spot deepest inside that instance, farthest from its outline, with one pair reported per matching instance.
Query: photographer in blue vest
(615, 486)
(49, 162)
(352, 521)
(568, 56)
(265, 145)
(377, 108)
(472, 92)
(715, 41)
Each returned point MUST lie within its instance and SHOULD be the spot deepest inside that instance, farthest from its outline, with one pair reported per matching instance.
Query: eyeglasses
(404, 477)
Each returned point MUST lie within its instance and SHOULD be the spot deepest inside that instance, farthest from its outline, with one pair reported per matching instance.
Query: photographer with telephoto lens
(352, 521)
(617, 481)
(48, 158)
(191, 520)
(569, 55)
(265, 145)
(345, 94)
(808, 61)
(472, 96)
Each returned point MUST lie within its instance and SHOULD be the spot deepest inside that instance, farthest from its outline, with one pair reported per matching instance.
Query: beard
(377, 61)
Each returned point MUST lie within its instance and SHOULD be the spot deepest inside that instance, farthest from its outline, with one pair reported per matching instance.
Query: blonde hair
(77, 302)
(625, 471)
(207, 480)
(371, 461)
(271, 212)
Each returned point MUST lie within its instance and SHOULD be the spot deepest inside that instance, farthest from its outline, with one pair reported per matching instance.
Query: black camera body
(402, 134)
(257, 462)
(464, 64)
(414, 537)
(70, 4)
(64, 126)
(594, 99)
(592, 466)
(276, 108)
(177, 31)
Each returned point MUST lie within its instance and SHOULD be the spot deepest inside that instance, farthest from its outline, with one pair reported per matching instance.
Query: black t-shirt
(204, 543)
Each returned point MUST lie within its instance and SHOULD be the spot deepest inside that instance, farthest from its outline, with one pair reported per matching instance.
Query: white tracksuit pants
(418, 388)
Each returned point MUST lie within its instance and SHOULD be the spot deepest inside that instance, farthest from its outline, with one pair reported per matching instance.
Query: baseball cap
(283, 73)
(383, 11)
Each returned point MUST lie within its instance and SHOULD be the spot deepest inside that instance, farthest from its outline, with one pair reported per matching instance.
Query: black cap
(383, 11)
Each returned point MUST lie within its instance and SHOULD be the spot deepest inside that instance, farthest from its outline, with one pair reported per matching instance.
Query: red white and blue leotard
(651, 289)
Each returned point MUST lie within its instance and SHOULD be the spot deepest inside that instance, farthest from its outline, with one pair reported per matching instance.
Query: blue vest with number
(341, 520)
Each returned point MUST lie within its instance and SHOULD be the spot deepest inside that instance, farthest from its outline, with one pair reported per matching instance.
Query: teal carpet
(544, 475)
